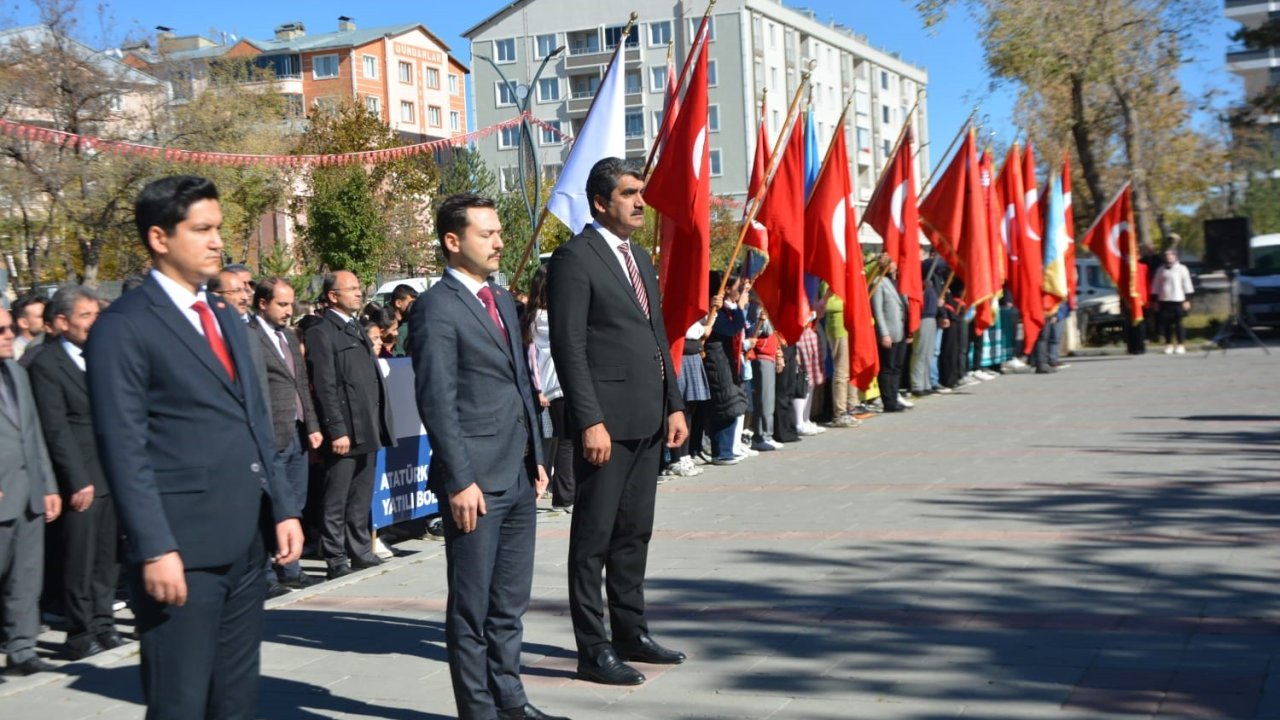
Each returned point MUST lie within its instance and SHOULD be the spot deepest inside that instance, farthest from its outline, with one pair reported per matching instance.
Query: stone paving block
(1207, 705)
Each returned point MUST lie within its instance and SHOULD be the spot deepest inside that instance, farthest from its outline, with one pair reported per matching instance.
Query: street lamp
(522, 94)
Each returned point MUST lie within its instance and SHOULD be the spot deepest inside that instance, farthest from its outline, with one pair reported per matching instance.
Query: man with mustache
(477, 403)
(611, 353)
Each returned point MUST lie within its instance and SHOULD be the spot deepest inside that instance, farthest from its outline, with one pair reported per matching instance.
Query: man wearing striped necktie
(611, 353)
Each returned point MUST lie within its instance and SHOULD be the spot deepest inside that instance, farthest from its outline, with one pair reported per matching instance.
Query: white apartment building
(755, 45)
(1260, 69)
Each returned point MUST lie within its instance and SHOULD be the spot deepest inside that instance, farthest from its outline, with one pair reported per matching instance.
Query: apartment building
(403, 74)
(756, 45)
(1259, 69)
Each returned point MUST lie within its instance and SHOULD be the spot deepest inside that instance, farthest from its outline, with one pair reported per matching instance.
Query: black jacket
(350, 393)
(62, 397)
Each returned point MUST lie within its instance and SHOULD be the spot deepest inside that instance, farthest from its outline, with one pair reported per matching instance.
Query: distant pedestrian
(1171, 287)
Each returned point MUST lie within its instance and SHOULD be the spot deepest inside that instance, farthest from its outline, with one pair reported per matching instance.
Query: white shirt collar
(468, 282)
(74, 352)
(613, 240)
(341, 315)
(180, 296)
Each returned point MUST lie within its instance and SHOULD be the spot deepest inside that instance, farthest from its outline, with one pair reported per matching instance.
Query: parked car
(1097, 302)
(1258, 287)
(383, 295)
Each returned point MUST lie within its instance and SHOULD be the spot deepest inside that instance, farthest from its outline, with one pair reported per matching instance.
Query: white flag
(603, 135)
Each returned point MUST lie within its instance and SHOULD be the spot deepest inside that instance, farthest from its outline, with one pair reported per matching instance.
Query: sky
(950, 52)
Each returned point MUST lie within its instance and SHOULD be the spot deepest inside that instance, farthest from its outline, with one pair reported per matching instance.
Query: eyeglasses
(8, 329)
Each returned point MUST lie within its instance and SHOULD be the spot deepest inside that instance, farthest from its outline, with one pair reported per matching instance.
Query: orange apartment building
(403, 74)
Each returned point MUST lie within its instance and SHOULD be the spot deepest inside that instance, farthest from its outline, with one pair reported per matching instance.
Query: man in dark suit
(184, 435)
(612, 356)
(28, 500)
(293, 416)
(89, 535)
(355, 417)
(476, 401)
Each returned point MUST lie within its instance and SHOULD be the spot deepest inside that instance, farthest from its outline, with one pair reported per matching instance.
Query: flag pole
(684, 77)
(774, 162)
(826, 157)
(661, 135)
(902, 134)
(960, 133)
(542, 217)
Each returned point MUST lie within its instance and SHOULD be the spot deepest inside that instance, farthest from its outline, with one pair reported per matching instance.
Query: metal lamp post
(522, 95)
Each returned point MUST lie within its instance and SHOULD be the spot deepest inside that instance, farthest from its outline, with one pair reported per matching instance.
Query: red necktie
(633, 273)
(216, 343)
(486, 297)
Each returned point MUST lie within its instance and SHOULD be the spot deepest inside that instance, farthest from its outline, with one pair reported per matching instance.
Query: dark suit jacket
(62, 396)
(609, 356)
(351, 397)
(282, 385)
(23, 457)
(473, 390)
(187, 451)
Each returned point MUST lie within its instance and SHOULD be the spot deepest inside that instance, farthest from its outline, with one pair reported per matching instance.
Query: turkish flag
(1026, 274)
(893, 215)
(780, 287)
(757, 238)
(1113, 239)
(954, 217)
(828, 216)
(1072, 277)
(680, 189)
(995, 247)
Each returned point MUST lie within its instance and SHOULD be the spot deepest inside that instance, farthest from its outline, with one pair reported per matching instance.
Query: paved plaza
(1103, 542)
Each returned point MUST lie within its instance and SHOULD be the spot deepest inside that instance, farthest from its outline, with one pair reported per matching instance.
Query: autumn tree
(365, 218)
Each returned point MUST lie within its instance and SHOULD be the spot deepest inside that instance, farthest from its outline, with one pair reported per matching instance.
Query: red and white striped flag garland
(47, 136)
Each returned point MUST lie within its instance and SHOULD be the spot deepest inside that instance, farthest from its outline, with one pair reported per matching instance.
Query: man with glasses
(355, 418)
(231, 287)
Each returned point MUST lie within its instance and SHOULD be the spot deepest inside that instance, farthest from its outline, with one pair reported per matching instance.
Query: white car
(1258, 287)
(1097, 302)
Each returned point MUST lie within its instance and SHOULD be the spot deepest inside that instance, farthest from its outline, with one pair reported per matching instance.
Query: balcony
(1251, 13)
(1245, 60)
(589, 58)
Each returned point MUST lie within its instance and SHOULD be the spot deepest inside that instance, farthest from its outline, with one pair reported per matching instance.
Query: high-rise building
(1260, 69)
(756, 45)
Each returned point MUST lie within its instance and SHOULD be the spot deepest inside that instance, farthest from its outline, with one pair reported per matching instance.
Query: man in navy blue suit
(186, 444)
(476, 401)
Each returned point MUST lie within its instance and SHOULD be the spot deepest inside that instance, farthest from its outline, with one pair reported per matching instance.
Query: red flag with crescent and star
(1113, 239)
(893, 215)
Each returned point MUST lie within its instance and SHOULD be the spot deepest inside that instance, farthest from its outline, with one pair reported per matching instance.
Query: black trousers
(612, 525)
(348, 490)
(1171, 314)
(201, 660)
(90, 569)
(490, 574)
(892, 361)
(559, 452)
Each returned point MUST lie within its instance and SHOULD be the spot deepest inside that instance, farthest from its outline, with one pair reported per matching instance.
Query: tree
(366, 219)
(1103, 72)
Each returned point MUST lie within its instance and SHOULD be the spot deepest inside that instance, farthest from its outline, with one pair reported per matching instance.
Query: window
(455, 121)
(549, 136)
(453, 85)
(613, 34)
(506, 94)
(370, 63)
(773, 77)
(777, 120)
(773, 35)
(635, 124)
(659, 33)
(658, 79)
(548, 90)
(711, 28)
(713, 75)
(551, 171)
(584, 86)
(888, 148)
(716, 169)
(509, 138)
(885, 114)
(293, 105)
(584, 42)
(546, 44)
(862, 102)
(324, 66)
(433, 116)
(432, 77)
(864, 140)
(406, 111)
(406, 72)
(657, 122)
(116, 103)
(632, 82)
(282, 66)
(373, 104)
(713, 118)
(884, 80)
(505, 50)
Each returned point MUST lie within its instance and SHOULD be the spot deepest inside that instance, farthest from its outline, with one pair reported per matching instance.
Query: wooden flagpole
(685, 71)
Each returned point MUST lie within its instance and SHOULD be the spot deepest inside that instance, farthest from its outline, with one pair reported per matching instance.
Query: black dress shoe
(527, 712)
(338, 571)
(30, 667)
(607, 669)
(362, 563)
(112, 639)
(645, 650)
(82, 649)
(302, 581)
(277, 590)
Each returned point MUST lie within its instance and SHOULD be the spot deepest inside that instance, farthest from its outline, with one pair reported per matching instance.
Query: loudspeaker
(1226, 244)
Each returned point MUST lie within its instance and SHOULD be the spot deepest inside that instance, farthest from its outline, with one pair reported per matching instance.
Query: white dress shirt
(614, 241)
(474, 286)
(74, 352)
(184, 299)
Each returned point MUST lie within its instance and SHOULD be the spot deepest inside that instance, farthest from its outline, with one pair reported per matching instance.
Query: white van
(1259, 286)
(1097, 302)
(420, 284)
